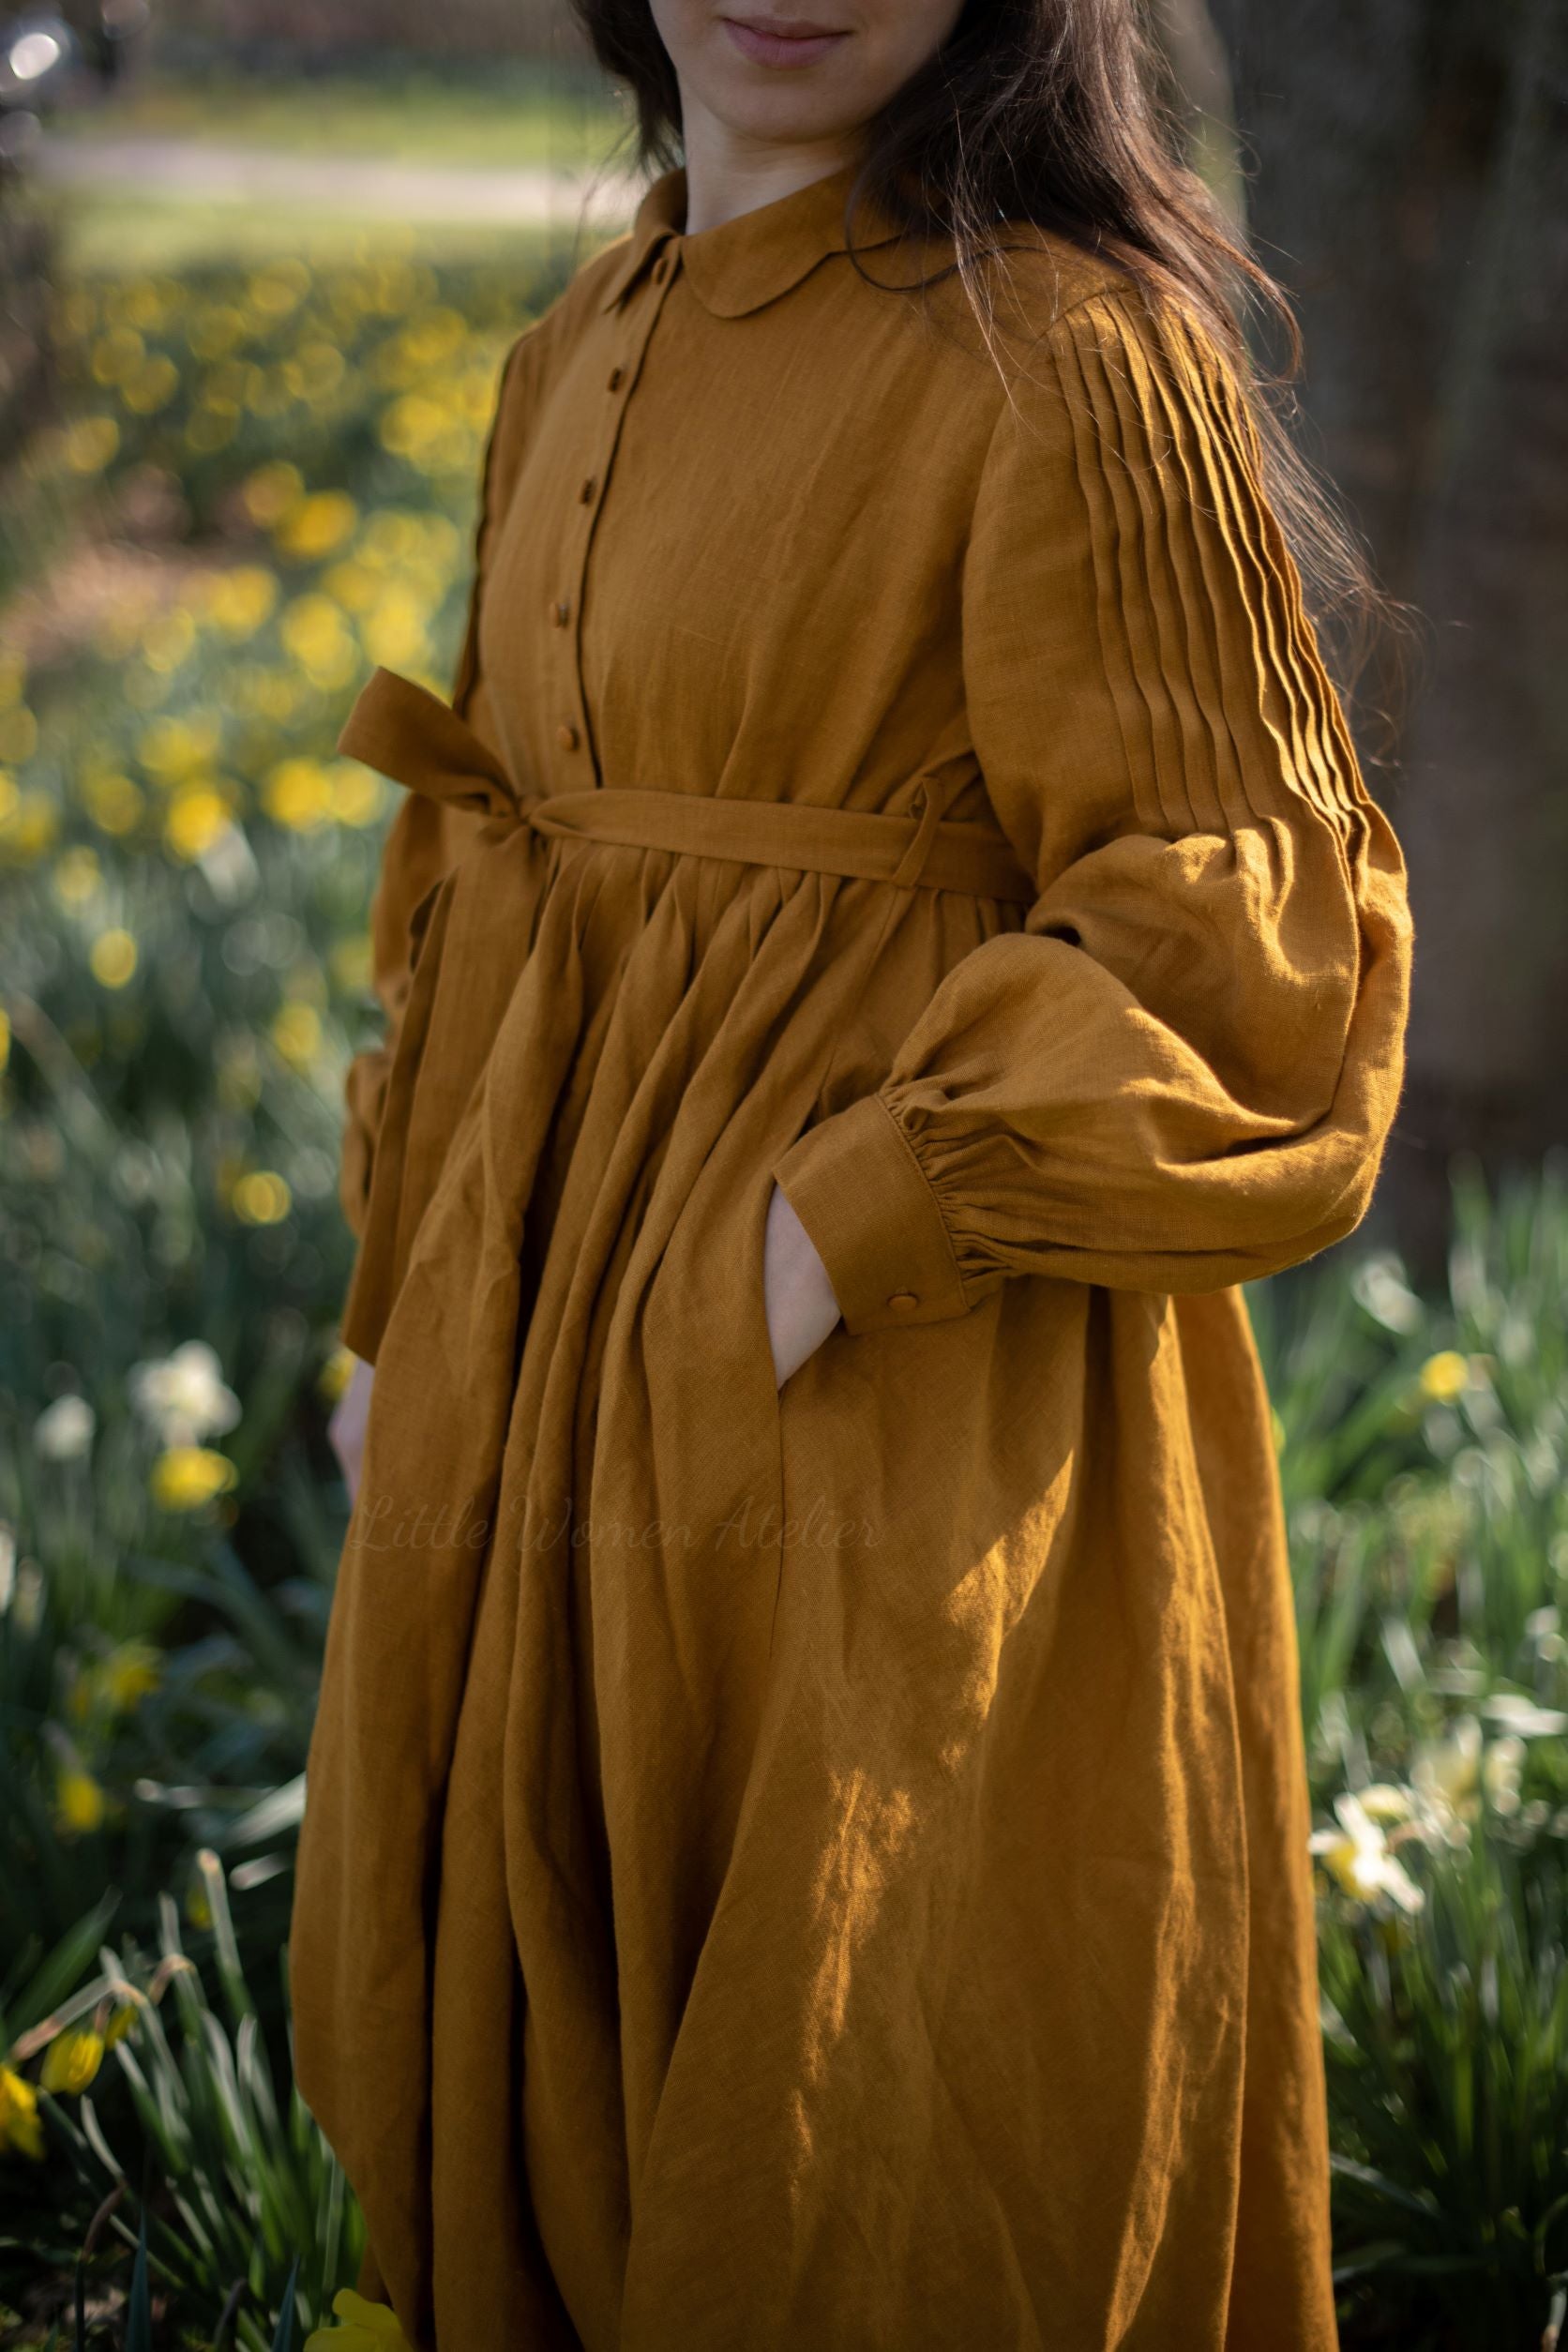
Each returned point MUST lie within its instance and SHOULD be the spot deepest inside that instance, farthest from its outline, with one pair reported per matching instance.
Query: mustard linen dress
(828, 1869)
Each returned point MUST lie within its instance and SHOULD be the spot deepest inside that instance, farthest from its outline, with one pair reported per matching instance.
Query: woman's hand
(800, 1308)
(346, 1427)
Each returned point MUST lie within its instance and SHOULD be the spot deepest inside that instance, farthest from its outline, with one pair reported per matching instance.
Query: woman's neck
(728, 174)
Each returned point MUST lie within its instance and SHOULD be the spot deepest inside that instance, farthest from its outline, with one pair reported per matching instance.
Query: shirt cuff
(872, 1218)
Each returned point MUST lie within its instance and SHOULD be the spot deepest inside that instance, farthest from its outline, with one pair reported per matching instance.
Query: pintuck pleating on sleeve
(1181, 1072)
(426, 837)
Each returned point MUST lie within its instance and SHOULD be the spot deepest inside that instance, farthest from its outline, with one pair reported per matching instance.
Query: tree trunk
(1412, 190)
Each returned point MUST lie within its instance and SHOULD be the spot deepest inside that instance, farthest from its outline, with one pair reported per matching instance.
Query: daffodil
(112, 958)
(71, 2061)
(336, 1374)
(184, 1395)
(19, 2128)
(366, 2328)
(317, 525)
(80, 1803)
(187, 1477)
(63, 1432)
(1446, 1775)
(131, 1670)
(18, 733)
(299, 795)
(1358, 1855)
(261, 1197)
(113, 801)
(1445, 1376)
(78, 876)
(90, 443)
(197, 819)
(120, 2023)
(296, 1033)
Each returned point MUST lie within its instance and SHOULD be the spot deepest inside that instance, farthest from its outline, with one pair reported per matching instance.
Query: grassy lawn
(554, 117)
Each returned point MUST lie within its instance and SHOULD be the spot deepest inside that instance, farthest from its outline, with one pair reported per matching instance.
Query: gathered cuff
(859, 1191)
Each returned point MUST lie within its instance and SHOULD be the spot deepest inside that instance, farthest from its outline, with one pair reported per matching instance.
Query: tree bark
(1411, 186)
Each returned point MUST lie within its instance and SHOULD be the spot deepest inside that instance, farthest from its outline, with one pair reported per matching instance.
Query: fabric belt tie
(410, 735)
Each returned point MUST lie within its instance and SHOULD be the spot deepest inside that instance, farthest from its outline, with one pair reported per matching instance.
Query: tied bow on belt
(417, 740)
(411, 737)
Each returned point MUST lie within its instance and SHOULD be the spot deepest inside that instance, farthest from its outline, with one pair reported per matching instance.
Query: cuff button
(903, 1301)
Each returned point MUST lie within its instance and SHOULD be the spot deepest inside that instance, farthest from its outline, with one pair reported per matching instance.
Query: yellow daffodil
(357, 794)
(78, 876)
(28, 827)
(131, 1670)
(4, 1037)
(116, 355)
(167, 641)
(271, 491)
(120, 2023)
(366, 2328)
(18, 733)
(19, 2128)
(261, 1198)
(241, 601)
(150, 386)
(71, 2061)
(317, 525)
(113, 801)
(91, 444)
(187, 1477)
(80, 1803)
(350, 962)
(214, 330)
(336, 1374)
(1445, 1377)
(174, 748)
(296, 1033)
(298, 795)
(196, 817)
(112, 958)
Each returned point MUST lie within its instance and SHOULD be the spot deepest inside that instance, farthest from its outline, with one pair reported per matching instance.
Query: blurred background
(258, 261)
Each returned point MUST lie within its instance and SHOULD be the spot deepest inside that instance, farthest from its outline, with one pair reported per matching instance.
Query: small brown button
(586, 492)
(615, 376)
(567, 736)
(902, 1302)
(560, 614)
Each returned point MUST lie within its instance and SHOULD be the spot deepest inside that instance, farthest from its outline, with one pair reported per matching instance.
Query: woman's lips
(766, 44)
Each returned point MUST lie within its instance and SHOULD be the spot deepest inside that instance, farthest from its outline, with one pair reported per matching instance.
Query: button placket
(574, 734)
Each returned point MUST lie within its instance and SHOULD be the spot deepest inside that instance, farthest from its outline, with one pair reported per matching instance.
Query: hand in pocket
(800, 1308)
(346, 1427)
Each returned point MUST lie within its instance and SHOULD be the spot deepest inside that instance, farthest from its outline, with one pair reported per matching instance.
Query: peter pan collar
(758, 255)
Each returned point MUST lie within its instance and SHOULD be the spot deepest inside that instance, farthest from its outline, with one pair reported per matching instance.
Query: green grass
(554, 117)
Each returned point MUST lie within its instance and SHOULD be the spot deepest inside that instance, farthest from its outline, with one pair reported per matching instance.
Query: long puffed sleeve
(426, 838)
(1181, 1072)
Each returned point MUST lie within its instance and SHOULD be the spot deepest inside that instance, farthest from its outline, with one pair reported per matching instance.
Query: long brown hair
(1050, 111)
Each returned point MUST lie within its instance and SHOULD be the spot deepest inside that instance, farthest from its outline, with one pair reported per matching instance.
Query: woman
(806, 1827)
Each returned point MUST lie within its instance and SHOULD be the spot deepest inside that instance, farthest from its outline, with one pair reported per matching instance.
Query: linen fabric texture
(829, 1868)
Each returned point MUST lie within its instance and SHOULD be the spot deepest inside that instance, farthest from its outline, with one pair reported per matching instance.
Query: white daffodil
(1446, 1775)
(1502, 1768)
(1357, 1855)
(1521, 1717)
(183, 1396)
(1386, 1802)
(64, 1431)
